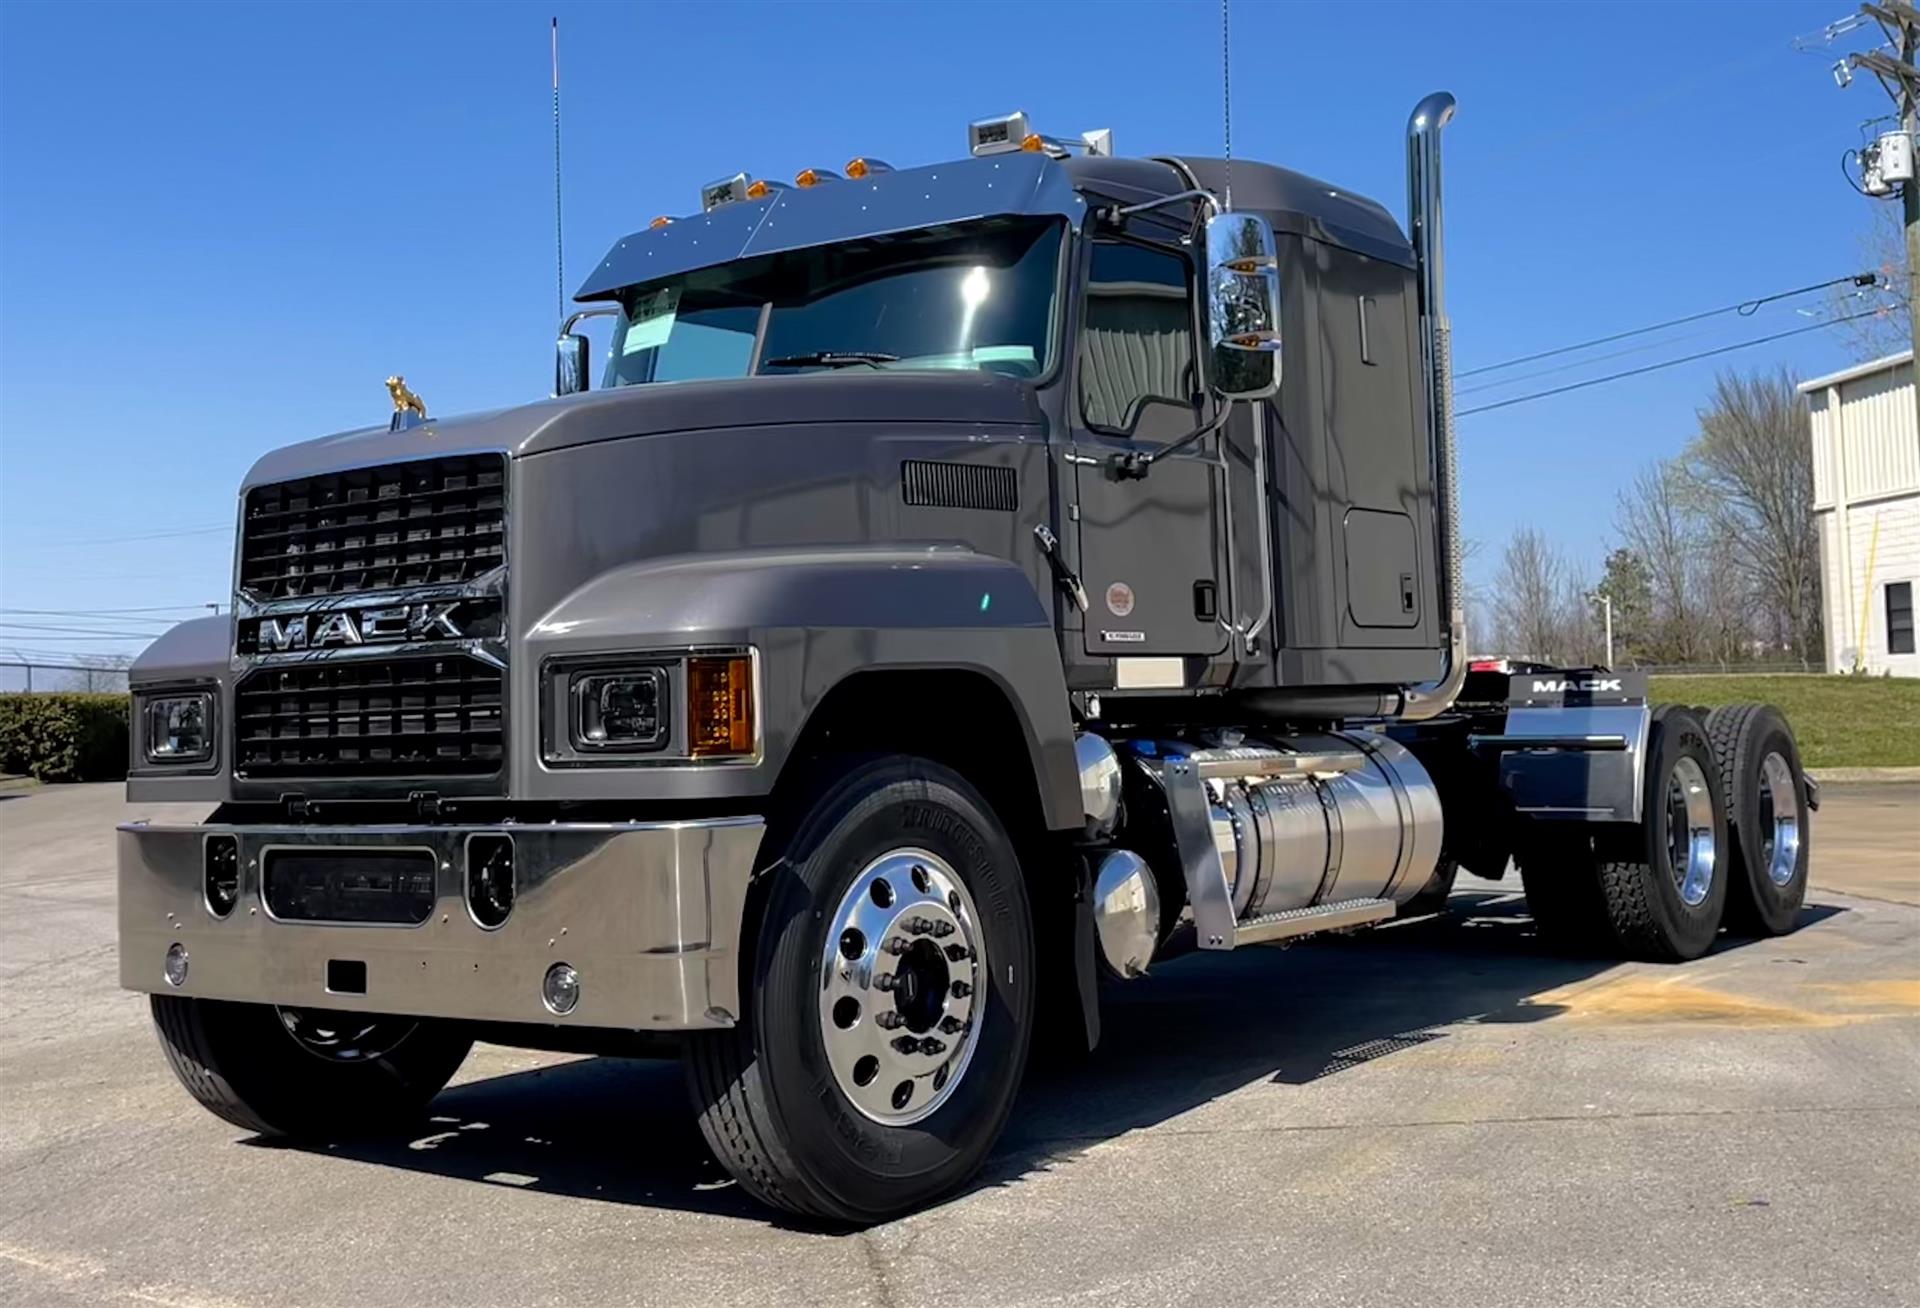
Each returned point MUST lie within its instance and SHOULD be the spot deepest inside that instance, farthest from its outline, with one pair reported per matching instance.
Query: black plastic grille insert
(362, 717)
(430, 521)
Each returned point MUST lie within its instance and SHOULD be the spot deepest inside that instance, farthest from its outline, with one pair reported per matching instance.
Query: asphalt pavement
(1438, 1112)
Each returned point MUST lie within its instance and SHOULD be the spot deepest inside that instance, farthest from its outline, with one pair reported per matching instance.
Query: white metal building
(1866, 502)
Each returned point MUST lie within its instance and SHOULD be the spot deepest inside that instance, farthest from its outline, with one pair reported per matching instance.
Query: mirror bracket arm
(1134, 465)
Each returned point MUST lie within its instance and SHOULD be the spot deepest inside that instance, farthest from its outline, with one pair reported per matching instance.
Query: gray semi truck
(969, 587)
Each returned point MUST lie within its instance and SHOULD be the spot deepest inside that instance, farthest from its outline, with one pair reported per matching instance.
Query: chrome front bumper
(648, 915)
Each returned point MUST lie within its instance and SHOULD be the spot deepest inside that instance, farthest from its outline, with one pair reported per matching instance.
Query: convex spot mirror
(570, 365)
(1243, 307)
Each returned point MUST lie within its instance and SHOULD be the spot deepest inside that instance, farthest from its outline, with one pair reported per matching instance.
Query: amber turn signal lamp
(719, 705)
(1033, 144)
(756, 190)
(661, 221)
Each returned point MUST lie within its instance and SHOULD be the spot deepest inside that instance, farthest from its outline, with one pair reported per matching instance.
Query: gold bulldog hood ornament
(409, 410)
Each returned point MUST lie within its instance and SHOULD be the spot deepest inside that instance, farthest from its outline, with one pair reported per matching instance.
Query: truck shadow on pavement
(623, 1131)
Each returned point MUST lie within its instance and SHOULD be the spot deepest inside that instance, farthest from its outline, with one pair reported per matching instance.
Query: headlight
(623, 709)
(178, 728)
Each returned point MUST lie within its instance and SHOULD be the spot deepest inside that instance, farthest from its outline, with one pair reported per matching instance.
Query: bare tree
(1752, 469)
(1654, 518)
(1530, 607)
(1882, 249)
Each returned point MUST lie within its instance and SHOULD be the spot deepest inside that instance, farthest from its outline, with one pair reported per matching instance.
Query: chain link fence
(40, 677)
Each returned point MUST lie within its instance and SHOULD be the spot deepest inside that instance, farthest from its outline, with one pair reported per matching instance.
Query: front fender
(815, 616)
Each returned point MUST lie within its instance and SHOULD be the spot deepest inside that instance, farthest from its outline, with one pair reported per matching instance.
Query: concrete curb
(1868, 775)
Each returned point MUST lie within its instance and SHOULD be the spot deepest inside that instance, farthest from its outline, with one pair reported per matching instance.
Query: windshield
(979, 296)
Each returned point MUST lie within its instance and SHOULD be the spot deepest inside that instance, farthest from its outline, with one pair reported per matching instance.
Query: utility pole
(1606, 603)
(1901, 23)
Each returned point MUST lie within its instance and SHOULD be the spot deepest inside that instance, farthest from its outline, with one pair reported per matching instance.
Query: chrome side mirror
(570, 365)
(1243, 307)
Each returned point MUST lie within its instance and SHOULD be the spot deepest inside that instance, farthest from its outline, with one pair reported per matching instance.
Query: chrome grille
(427, 522)
(368, 717)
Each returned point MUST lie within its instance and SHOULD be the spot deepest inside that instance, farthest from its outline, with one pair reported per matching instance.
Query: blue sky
(222, 226)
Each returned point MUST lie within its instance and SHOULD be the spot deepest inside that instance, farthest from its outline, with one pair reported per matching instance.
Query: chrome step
(1305, 921)
(1249, 761)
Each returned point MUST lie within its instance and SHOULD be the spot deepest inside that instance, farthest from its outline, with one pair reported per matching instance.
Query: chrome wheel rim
(1690, 851)
(1779, 820)
(344, 1037)
(900, 975)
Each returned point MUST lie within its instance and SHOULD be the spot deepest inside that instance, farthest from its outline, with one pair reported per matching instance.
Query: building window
(1900, 617)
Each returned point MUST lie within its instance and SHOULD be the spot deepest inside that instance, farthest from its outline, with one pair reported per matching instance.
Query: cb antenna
(1226, 92)
(559, 237)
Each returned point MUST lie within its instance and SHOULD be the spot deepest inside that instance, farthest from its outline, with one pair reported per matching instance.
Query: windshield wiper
(832, 359)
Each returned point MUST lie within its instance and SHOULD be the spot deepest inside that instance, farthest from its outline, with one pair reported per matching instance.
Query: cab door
(1150, 547)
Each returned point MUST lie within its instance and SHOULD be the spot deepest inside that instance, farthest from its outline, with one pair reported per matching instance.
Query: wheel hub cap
(900, 977)
(1690, 852)
(1779, 820)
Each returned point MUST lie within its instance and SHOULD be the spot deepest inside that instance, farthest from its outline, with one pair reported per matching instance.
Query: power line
(121, 540)
(1667, 363)
(91, 633)
(1744, 308)
(90, 613)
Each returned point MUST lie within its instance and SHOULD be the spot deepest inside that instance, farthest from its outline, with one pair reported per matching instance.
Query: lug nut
(897, 946)
(958, 953)
(942, 929)
(885, 981)
(907, 1045)
(961, 989)
(952, 1025)
(933, 1046)
(918, 926)
(889, 1020)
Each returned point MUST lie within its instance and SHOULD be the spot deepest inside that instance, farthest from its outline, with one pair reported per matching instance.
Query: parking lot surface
(1438, 1112)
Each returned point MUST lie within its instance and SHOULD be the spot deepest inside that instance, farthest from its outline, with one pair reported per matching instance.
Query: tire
(1766, 800)
(245, 1063)
(1432, 897)
(1561, 878)
(774, 1094)
(1665, 903)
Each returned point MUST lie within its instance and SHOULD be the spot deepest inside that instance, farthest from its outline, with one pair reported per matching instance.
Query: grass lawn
(1840, 722)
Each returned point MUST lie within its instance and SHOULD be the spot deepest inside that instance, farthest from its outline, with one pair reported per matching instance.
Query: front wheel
(888, 1003)
(306, 1072)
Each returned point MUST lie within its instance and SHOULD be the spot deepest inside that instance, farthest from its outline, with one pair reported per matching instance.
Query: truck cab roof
(1002, 185)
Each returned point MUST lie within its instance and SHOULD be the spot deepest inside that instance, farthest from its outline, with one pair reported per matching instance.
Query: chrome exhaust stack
(1426, 223)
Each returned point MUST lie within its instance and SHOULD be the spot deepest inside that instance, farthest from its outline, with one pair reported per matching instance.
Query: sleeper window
(1137, 340)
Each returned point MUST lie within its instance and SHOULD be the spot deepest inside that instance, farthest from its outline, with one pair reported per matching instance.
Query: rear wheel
(1559, 873)
(302, 1071)
(1766, 803)
(888, 1005)
(1664, 881)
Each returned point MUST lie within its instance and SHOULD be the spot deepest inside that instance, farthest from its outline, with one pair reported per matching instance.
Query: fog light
(175, 968)
(560, 990)
(222, 874)
(490, 879)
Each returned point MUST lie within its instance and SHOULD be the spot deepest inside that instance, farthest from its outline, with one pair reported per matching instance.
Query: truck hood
(970, 398)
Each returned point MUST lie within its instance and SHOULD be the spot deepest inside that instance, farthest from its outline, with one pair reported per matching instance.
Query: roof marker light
(661, 221)
(864, 167)
(814, 176)
(761, 189)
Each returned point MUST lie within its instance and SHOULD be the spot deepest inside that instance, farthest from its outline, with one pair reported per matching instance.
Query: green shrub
(59, 737)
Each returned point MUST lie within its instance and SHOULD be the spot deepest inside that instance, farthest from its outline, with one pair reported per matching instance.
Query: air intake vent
(959, 486)
(433, 521)
(370, 718)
